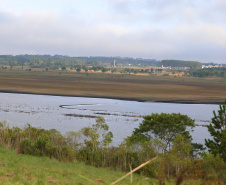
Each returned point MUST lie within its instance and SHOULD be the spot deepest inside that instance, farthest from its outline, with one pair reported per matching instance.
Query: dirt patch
(54, 181)
(100, 181)
(9, 175)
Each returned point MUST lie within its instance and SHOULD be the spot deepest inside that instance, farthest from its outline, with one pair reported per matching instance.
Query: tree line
(209, 72)
(44, 61)
(58, 61)
(180, 63)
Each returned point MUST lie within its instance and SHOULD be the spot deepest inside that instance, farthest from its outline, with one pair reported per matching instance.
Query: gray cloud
(6, 17)
(159, 33)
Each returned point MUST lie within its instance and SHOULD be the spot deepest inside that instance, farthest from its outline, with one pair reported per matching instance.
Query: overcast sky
(155, 29)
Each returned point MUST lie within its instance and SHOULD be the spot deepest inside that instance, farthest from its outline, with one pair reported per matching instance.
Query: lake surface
(122, 116)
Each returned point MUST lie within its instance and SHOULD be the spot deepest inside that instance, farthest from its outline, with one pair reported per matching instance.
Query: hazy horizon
(149, 29)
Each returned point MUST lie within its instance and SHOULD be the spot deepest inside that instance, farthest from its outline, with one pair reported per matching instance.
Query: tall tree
(178, 157)
(217, 130)
(164, 127)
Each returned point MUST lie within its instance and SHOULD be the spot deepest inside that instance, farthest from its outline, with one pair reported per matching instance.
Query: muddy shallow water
(73, 113)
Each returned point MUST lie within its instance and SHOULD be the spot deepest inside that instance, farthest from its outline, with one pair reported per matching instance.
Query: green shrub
(26, 146)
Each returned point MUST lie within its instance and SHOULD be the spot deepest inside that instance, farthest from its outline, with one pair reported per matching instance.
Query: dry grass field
(121, 86)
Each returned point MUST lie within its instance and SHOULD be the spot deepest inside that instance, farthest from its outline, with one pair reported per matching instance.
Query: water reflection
(72, 113)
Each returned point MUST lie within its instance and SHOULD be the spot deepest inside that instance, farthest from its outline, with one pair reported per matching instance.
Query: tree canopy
(217, 130)
(164, 127)
(209, 72)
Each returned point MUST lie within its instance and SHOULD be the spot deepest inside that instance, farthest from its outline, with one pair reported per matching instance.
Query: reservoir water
(122, 116)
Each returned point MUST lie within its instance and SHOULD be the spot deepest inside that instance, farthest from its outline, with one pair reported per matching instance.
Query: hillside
(24, 169)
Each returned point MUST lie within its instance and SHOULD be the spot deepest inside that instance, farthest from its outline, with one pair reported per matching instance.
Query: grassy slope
(24, 169)
(146, 88)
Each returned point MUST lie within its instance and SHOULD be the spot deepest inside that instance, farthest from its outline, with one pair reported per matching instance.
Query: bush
(26, 146)
(214, 166)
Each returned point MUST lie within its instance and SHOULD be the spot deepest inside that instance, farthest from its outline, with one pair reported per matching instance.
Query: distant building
(211, 66)
(114, 63)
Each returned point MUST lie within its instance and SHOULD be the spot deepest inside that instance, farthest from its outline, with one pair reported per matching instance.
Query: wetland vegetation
(178, 159)
(164, 136)
(133, 79)
(117, 85)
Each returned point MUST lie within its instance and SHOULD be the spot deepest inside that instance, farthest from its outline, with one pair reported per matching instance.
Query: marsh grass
(120, 86)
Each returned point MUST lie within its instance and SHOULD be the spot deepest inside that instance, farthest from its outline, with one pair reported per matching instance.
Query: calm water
(49, 112)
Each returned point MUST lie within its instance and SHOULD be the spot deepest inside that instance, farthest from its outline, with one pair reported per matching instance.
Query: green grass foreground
(37, 156)
(25, 169)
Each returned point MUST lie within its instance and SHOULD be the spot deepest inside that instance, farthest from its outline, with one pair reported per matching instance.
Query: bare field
(120, 86)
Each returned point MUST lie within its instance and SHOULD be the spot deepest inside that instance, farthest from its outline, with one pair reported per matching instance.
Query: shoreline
(118, 98)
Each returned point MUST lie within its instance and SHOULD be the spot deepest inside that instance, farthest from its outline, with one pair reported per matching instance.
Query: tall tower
(114, 63)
